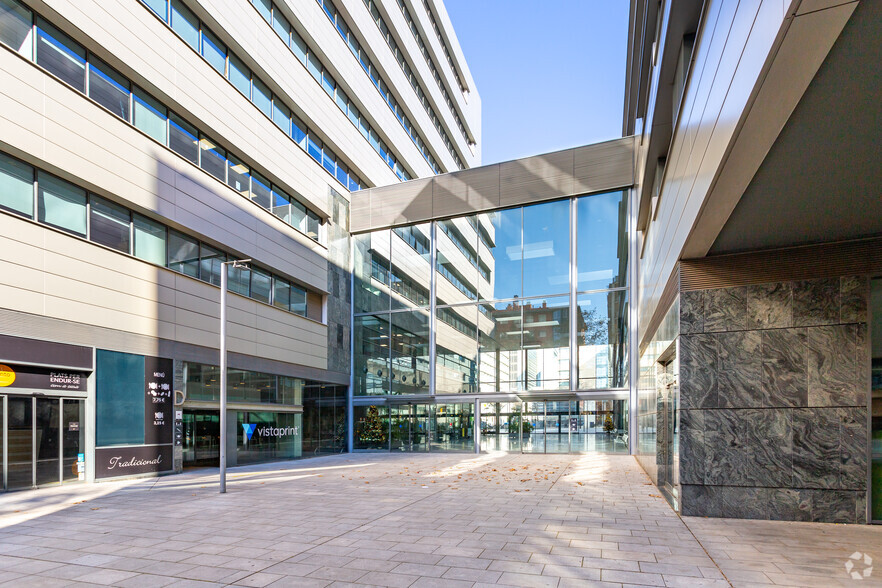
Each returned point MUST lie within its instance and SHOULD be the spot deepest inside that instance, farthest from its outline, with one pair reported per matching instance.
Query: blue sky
(551, 73)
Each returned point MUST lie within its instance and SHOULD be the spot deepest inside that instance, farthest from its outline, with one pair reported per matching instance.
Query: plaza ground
(409, 520)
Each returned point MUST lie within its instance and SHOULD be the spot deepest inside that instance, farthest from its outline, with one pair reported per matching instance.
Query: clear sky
(551, 73)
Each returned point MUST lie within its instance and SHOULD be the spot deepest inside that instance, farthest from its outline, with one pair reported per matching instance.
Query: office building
(700, 292)
(145, 144)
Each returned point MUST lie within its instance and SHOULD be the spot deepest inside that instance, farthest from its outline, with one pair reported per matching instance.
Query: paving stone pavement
(408, 520)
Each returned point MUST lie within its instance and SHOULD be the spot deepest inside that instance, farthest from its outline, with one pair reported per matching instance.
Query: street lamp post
(238, 263)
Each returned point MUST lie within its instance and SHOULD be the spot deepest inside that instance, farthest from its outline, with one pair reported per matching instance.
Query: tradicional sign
(39, 378)
(111, 462)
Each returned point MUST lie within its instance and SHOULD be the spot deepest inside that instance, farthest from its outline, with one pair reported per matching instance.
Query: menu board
(158, 401)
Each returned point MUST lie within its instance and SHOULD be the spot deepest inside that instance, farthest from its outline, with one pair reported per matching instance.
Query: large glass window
(280, 25)
(499, 341)
(61, 204)
(602, 241)
(211, 263)
(185, 24)
(16, 186)
(238, 177)
(262, 97)
(371, 270)
(183, 254)
(456, 350)
(504, 253)
(602, 337)
(110, 224)
(109, 89)
(150, 240)
(239, 280)
(260, 191)
(410, 352)
(240, 76)
(213, 159)
(15, 26)
(149, 115)
(119, 405)
(547, 248)
(371, 361)
(183, 139)
(214, 52)
(546, 343)
(60, 55)
(281, 293)
(261, 285)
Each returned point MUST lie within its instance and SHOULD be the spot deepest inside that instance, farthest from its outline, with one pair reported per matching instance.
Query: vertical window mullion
(88, 216)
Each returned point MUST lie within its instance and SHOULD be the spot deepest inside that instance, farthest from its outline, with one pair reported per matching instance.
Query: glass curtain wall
(509, 315)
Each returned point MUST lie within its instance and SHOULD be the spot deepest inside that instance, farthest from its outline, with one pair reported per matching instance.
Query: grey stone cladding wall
(773, 401)
(340, 299)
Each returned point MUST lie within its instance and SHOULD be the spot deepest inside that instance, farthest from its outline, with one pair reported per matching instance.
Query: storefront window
(119, 398)
(267, 436)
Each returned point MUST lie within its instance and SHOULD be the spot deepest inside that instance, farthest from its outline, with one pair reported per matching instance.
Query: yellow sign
(7, 376)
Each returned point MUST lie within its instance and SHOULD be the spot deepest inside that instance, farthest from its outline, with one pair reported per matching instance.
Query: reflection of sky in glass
(547, 248)
(601, 231)
(505, 262)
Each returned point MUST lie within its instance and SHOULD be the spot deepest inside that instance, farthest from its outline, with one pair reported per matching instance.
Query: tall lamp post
(238, 263)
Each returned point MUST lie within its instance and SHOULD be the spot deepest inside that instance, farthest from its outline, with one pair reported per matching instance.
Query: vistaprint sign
(248, 431)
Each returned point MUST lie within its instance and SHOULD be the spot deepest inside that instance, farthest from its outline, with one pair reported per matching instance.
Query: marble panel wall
(773, 401)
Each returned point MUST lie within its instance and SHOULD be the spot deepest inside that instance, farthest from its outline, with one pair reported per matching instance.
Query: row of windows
(456, 237)
(193, 32)
(70, 208)
(435, 72)
(343, 29)
(274, 17)
(372, 73)
(443, 45)
(400, 282)
(414, 82)
(61, 56)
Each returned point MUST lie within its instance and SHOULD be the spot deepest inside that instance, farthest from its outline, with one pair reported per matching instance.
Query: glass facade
(509, 314)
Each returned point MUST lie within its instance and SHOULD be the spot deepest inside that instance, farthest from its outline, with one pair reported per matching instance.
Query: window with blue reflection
(353, 184)
(260, 190)
(160, 7)
(240, 76)
(602, 241)
(353, 114)
(504, 257)
(342, 100)
(213, 159)
(60, 55)
(602, 340)
(281, 205)
(214, 51)
(149, 115)
(238, 176)
(314, 66)
(282, 116)
(298, 131)
(547, 248)
(109, 89)
(182, 139)
(61, 204)
(262, 97)
(328, 83)
(298, 300)
(298, 46)
(329, 160)
(314, 148)
(265, 8)
(280, 25)
(342, 174)
(16, 186)
(185, 24)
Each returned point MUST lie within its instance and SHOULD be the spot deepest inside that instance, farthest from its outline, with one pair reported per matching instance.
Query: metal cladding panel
(603, 166)
(797, 263)
(592, 168)
(536, 178)
(402, 203)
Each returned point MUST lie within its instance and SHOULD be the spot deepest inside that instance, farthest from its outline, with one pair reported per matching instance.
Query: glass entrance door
(43, 439)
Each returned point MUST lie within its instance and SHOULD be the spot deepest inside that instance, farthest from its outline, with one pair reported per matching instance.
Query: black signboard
(112, 462)
(39, 378)
(158, 400)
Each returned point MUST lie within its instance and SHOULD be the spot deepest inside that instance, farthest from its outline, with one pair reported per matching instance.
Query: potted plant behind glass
(608, 425)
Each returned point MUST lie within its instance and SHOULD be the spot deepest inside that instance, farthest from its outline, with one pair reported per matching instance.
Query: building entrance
(43, 440)
(577, 426)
